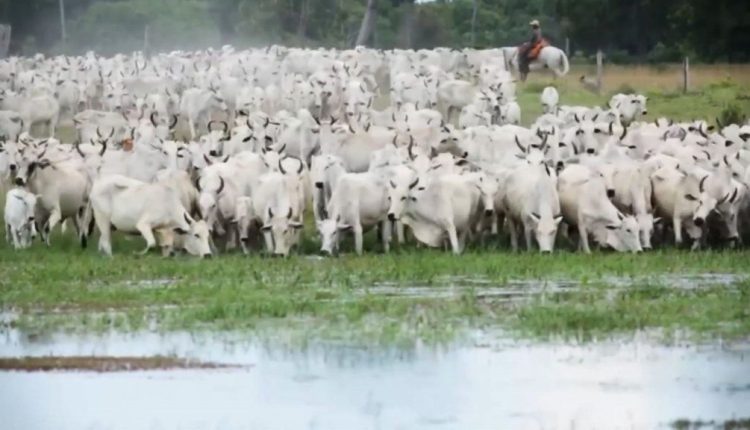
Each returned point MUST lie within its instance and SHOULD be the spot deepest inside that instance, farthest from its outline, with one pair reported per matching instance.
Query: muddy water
(485, 384)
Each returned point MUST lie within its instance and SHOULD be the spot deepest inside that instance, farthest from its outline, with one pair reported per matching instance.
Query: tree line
(636, 30)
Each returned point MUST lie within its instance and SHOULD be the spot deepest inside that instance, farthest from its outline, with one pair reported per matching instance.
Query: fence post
(686, 75)
(567, 46)
(599, 68)
(146, 41)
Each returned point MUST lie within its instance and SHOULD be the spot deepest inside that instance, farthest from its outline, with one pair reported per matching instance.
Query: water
(518, 290)
(488, 383)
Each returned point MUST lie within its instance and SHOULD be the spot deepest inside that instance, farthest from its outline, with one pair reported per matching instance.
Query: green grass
(705, 102)
(65, 288)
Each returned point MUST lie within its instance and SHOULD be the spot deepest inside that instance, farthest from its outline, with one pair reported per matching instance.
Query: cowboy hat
(534, 23)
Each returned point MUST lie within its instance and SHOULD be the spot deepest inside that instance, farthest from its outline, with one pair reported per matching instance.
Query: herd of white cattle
(217, 150)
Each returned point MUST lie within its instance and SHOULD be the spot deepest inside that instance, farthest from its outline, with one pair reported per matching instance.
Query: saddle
(537, 48)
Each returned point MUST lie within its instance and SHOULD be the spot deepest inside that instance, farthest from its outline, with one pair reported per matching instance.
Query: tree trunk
(368, 23)
(407, 25)
(474, 24)
(302, 24)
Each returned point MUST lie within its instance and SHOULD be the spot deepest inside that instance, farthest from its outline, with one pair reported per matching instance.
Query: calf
(20, 228)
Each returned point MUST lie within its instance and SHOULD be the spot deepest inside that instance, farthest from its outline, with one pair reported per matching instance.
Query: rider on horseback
(530, 50)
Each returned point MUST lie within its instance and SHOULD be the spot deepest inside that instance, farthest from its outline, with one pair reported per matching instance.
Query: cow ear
(558, 219)
(344, 227)
(180, 231)
(535, 216)
(265, 228)
(296, 225)
(611, 227)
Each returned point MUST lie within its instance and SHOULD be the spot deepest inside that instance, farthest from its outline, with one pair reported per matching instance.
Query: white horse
(550, 58)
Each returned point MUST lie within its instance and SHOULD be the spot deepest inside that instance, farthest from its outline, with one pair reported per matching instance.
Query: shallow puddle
(453, 287)
(488, 383)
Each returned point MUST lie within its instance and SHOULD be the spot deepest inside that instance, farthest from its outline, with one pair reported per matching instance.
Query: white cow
(531, 200)
(550, 98)
(132, 206)
(20, 228)
(41, 108)
(584, 203)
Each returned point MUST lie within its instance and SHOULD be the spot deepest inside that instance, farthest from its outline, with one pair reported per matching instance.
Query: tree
(368, 23)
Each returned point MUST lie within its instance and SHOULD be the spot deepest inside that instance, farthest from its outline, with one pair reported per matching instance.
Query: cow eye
(31, 219)
(403, 198)
(597, 131)
(197, 236)
(579, 132)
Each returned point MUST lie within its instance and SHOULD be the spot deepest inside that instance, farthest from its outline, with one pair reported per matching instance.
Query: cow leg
(527, 231)
(105, 235)
(583, 237)
(513, 234)
(268, 238)
(385, 228)
(400, 233)
(145, 229)
(677, 227)
(8, 233)
(453, 237)
(54, 218)
(357, 231)
(191, 124)
(16, 238)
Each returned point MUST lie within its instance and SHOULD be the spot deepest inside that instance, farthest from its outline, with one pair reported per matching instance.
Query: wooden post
(599, 67)
(567, 46)
(146, 41)
(686, 75)
(4, 40)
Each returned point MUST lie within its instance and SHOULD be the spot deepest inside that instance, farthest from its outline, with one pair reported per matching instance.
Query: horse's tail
(564, 65)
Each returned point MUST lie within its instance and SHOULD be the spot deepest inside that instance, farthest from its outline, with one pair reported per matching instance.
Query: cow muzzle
(488, 212)
(319, 185)
(699, 222)
(611, 193)
(391, 216)
(590, 151)
(19, 182)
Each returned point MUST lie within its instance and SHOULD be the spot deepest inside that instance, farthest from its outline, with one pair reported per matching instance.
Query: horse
(549, 58)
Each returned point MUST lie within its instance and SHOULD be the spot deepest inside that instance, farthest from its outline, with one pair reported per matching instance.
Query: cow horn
(187, 219)
(153, 118)
(414, 184)
(209, 125)
(226, 126)
(173, 123)
(283, 147)
(266, 123)
(718, 123)
(270, 213)
(624, 132)
(249, 125)
(281, 167)
(518, 144)
(409, 148)
(98, 132)
(207, 160)
(301, 167)
(77, 146)
(394, 141)
(575, 116)
(611, 124)
(289, 215)
(104, 148)
(702, 133)
(221, 186)
(700, 184)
